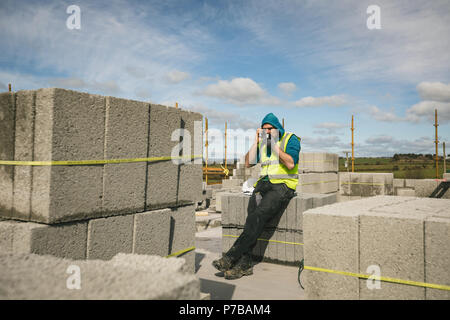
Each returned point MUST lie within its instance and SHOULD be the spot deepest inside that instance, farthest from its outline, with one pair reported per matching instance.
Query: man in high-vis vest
(278, 151)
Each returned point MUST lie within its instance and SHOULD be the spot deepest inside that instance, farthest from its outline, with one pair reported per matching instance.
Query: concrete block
(344, 184)
(226, 240)
(67, 240)
(68, 126)
(222, 198)
(227, 183)
(109, 236)
(191, 172)
(425, 187)
(410, 183)
(331, 238)
(405, 192)
(235, 209)
(152, 232)
(290, 248)
(366, 184)
(389, 184)
(379, 184)
(399, 183)
(23, 151)
(126, 137)
(7, 236)
(288, 219)
(239, 208)
(355, 184)
(298, 246)
(163, 177)
(397, 249)
(330, 182)
(306, 161)
(183, 219)
(437, 256)
(129, 277)
(280, 235)
(245, 213)
(7, 115)
(304, 203)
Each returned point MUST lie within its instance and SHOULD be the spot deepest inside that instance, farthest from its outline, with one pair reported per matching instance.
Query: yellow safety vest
(275, 169)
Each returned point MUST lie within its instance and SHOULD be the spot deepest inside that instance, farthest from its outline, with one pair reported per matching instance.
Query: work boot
(223, 264)
(243, 267)
(238, 271)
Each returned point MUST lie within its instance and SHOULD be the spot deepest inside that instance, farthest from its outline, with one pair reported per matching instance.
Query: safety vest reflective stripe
(269, 162)
(283, 176)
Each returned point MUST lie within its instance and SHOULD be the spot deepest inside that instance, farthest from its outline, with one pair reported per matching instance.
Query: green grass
(409, 169)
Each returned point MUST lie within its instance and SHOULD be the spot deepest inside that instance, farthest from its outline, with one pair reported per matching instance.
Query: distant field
(402, 169)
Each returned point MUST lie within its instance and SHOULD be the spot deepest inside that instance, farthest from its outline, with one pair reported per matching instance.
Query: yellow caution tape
(286, 242)
(386, 279)
(225, 170)
(91, 162)
(179, 253)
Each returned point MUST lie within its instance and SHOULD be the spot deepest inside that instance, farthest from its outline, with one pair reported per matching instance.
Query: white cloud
(240, 91)
(382, 115)
(116, 48)
(383, 139)
(330, 127)
(176, 76)
(435, 91)
(287, 87)
(218, 118)
(332, 101)
(424, 111)
(412, 44)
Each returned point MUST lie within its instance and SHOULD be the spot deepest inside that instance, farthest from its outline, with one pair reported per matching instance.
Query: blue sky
(313, 63)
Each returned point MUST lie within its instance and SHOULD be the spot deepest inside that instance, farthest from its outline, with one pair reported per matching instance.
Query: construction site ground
(268, 282)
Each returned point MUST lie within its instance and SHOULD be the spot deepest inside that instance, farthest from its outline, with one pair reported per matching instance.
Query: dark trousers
(275, 199)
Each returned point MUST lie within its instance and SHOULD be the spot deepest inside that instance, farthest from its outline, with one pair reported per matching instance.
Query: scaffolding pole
(206, 146)
(445, 156)
(225, 147)
(353, 148)
(436, 141)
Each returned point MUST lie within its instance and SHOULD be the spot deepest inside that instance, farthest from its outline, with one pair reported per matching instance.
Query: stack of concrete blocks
(243, 173)
(357, 185)
(285, 230)
(318, 162)
(97, 211)
(124, 277)
(318, 172)
(405, 238)
(418, 187)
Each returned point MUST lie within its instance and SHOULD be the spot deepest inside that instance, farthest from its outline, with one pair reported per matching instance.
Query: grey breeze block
(406, 237)
(158, 232)
(58, 124)
(126, 276)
